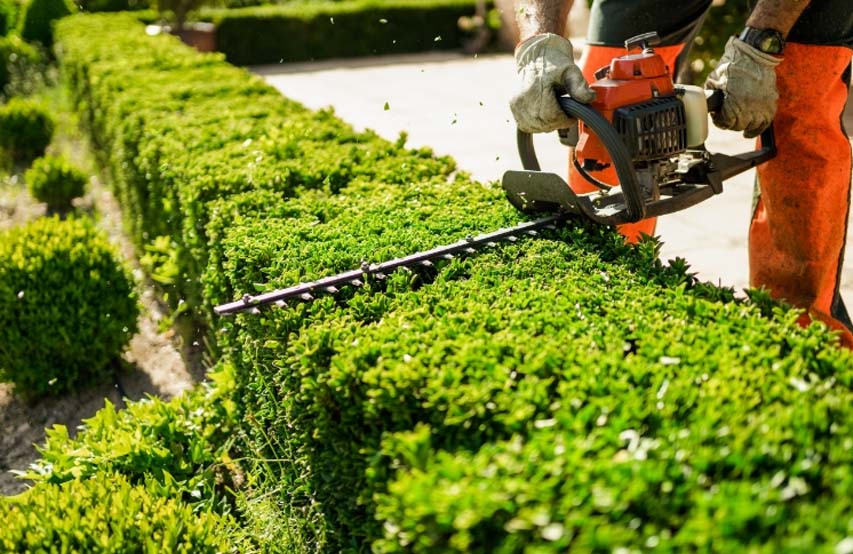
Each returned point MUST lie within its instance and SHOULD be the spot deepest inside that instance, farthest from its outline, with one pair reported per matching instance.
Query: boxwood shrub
(311, 30)
(67, 305)
(21, 66)
(563, 392)
(54, 181)
(106, 514)
(26, 129)
(38, 16)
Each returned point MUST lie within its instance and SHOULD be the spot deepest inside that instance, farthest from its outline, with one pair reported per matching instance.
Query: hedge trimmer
(641, 126)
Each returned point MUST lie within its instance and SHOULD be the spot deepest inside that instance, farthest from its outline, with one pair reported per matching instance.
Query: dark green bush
(21, 67)
(26, 129)
(327, 29)
(112, 5)
(8, 11)
(38, 17)
(177, 12)
(54, 181)
(518, 400)
(106, 514)
(67, 305)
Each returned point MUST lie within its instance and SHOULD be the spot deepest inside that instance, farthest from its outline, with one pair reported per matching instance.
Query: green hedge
(313, 30)
(569, 391)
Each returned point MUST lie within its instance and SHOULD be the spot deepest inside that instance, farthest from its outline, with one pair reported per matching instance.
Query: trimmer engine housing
(636, 95)
(641, 143)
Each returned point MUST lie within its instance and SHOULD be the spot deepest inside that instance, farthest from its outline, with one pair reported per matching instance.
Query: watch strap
(769, 41)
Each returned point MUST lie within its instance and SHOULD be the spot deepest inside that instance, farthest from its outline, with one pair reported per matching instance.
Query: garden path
(457, 105)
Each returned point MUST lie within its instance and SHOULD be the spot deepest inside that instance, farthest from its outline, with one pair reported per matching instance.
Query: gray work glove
(747, 76)
(544, 62)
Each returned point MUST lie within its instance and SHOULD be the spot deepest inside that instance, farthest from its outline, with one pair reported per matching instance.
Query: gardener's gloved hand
(544, 62)
(747, 76)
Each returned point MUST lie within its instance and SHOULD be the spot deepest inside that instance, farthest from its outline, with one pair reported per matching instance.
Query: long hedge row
(312, 30)
(568, 392)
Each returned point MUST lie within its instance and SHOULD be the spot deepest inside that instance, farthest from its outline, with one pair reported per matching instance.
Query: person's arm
(535, 17)
(776, 14)
(746, 72)
(545, 61)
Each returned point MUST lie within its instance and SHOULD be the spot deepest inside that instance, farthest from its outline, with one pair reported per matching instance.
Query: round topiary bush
(67, 305)
(26, 129)
(16, 57)
(54, 181)
(22, 66)
(37, 17)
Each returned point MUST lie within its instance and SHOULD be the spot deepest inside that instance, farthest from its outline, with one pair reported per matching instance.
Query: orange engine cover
(629, 79)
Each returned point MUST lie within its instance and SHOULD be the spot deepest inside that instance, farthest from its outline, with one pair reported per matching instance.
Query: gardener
(790, 65)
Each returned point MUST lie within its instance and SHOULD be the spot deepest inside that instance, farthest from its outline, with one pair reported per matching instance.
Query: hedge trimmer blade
(331, 285)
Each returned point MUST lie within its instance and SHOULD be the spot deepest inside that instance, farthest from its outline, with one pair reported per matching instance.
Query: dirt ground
(156, 362)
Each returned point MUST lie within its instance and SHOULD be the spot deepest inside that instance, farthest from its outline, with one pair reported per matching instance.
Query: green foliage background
(8, 13)
(106, 514)
(721, 22)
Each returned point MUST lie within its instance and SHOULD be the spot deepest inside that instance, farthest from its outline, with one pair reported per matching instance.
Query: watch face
(770, 44)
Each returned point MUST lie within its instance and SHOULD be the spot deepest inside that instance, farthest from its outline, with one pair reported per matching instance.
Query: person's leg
(611, 23)
(799, 225)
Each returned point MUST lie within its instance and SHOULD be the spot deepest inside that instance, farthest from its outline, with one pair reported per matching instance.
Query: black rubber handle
(732, 165)
(715, 99)
(619, 156)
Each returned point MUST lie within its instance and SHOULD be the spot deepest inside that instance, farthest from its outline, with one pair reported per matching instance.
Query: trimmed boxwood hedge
(314, 30)
(8, 13)
(564, 392)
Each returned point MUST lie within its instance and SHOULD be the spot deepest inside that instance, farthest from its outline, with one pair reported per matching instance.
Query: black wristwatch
(769, 41)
